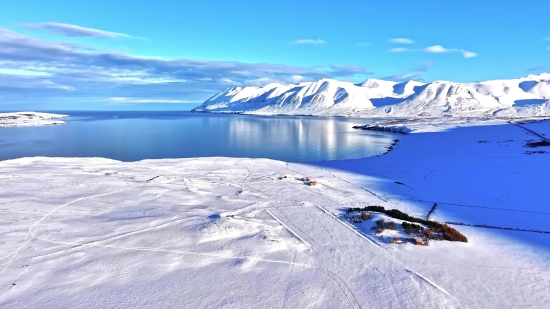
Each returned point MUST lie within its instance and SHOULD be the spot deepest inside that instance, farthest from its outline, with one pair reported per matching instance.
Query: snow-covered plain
(235, 233)
(515, 98)
(25, 119)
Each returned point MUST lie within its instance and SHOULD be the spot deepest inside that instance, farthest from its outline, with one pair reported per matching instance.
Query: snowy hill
(305, 98)
(523, 97)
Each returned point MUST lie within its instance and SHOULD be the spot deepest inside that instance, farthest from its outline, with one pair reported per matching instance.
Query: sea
(134, 136)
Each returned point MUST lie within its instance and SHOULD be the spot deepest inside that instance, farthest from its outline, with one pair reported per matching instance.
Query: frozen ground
(23, 119)
(234, 233)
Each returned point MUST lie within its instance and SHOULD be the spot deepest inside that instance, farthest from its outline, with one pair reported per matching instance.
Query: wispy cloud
(424, 66)
(307, 41)
(362, 44)
(404, 77)
(348, 70)
(131, 100)
(468, 54)
(76, 31)
(402, 41)
(537, 69)
(398, 49)
(34, 68)
(416, 74)
(438, 49)
(546, 39)
(435, 49)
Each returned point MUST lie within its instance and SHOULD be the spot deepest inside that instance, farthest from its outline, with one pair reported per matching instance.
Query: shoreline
(28, 119)
(379, 116)
(237, 219)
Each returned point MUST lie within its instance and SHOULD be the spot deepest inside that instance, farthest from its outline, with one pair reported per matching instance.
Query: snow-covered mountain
(528, 96)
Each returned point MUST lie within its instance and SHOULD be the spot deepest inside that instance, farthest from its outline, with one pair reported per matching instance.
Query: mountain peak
(383, 98)
(541, 76)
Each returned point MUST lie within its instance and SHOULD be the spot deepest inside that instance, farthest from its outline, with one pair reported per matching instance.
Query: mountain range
(523, 97)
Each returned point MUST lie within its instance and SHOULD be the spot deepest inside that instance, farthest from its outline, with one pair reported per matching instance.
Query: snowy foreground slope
(523, 97)
(234, 233)
(24, 119)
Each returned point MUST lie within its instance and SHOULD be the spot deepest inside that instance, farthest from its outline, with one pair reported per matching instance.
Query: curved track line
(33, 230)
(110, 238)
(341, 284)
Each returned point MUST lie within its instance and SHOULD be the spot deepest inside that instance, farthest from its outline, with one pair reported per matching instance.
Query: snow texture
(523, 97)
(25, 119)
(248, 233)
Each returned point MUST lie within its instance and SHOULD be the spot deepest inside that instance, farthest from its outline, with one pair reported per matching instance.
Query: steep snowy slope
(440, 97)
(532, 89)
(304, 98)
(522, 97)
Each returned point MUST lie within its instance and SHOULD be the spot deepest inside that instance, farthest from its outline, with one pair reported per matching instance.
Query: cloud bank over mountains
(32, 68)
(36, 70)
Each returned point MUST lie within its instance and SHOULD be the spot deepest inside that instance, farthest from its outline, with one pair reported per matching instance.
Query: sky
(175, 54)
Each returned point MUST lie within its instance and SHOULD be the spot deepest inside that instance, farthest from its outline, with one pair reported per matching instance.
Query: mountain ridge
(526, 96)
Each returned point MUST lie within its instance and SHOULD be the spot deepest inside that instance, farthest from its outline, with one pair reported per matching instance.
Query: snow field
(222, 232)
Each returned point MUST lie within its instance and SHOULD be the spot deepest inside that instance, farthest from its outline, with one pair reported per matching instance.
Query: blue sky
(69, 55)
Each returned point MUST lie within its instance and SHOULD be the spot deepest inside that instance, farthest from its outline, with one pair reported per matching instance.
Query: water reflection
(132, 136)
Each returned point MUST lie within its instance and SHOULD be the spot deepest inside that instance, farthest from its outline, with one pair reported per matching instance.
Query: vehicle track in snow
(339, 282)
(33, 230)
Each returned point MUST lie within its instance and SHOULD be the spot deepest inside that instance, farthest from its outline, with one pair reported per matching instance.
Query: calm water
(132, 136)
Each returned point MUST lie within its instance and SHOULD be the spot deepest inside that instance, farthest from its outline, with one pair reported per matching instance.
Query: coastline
(244, 210)
(27, 119)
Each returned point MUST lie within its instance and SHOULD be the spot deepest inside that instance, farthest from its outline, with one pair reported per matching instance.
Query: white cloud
(23, 72)
(438, 49)
(362, 44)
(420, 70)
(468, 54)
(402, 41)
(404, 77)
(307, 41)
(130, 100)
(262, 81)
(295, 78)
(34, 68)
(229, 82)
(424, 66)
(398, 50)
(76, 31)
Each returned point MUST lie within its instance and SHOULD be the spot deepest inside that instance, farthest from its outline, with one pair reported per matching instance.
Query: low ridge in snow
(523, 97)
(25, 119)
